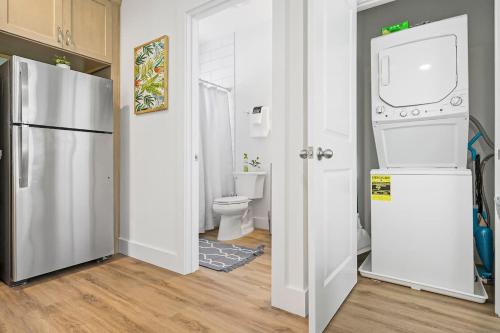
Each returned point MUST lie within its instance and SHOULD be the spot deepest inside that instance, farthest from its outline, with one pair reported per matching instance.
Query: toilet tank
(250, 184)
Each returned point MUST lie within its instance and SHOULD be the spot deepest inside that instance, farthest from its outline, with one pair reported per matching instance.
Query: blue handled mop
(483, 234)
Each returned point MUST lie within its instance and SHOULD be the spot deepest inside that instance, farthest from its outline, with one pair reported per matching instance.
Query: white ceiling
(240, 16)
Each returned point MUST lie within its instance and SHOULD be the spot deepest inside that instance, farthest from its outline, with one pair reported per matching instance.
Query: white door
(332, 179)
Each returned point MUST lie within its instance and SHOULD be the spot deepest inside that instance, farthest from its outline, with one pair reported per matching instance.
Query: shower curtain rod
(215, 85)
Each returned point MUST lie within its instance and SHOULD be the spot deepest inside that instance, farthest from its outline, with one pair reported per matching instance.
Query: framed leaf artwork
(151, 76)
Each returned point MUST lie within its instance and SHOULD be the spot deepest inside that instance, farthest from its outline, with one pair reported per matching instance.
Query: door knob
(303, 154)
(306, 153)
(327, 153)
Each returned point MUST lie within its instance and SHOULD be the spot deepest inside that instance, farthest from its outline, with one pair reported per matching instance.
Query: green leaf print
(149, 100)
(149, 73)
(148, 49)
(141, 57)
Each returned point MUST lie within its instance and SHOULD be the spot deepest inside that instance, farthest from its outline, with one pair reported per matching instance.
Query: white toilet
(235, 221)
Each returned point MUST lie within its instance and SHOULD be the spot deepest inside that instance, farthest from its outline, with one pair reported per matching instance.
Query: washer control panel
(456, 103)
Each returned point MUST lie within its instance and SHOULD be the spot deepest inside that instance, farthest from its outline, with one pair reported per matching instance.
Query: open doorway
(231, 124)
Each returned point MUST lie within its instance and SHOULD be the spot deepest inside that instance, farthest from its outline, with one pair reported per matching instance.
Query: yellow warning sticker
(381, 187)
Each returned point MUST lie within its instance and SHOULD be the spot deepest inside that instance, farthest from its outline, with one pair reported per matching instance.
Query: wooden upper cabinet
(87, 28)
(79, 26)
(40, 20)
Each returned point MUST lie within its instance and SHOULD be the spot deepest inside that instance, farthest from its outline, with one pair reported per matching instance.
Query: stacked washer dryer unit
(421, 206)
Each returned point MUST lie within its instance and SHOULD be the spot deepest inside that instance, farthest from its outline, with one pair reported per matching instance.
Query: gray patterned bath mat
(226, 257)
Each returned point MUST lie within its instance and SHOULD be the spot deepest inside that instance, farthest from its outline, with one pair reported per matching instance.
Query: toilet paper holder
(259, 121)
(255, 110)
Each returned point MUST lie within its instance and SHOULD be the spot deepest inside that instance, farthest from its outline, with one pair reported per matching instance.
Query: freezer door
(63, 199)
(47, 95)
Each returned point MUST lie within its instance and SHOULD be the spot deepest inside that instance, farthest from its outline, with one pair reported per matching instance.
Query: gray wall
(481, 74)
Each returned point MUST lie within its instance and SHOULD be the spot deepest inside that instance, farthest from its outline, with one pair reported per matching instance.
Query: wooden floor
(126, 295)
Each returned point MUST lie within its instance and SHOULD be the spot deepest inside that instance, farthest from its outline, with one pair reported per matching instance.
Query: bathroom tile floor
(127, 295)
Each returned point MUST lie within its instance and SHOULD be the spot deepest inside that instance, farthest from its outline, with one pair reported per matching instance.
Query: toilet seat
(231, 200)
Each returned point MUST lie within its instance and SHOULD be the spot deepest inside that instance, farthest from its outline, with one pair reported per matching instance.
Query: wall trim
(261, 223)
(294, 301)
(150, 254)
(367, 4)
(289, 258)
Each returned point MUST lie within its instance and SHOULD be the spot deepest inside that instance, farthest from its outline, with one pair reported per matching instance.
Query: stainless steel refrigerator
(56, 169)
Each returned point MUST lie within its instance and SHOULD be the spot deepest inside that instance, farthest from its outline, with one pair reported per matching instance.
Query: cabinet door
(39, 20)
(87, 28)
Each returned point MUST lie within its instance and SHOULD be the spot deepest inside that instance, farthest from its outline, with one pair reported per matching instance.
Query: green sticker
(395, 27)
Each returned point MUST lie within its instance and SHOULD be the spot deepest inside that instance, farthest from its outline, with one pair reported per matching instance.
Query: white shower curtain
(216, 152)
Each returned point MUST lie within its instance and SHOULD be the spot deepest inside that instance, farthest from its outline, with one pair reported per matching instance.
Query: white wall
(217, 60)
(253, 87)
(152, 155)
(242, 14)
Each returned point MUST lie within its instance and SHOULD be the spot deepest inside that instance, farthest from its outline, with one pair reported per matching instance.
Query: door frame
(191, 135)
(288, 285)
(191, 122)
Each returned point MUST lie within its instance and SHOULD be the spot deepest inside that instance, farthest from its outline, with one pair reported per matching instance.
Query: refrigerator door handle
(24, 156)
(23, 91)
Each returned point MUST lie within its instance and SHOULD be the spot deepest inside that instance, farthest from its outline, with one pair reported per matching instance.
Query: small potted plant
(245, 162)
(255, 163)
(62, 62)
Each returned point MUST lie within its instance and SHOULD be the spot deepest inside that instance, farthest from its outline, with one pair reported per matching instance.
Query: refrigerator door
(5, 194)
(46, 95)
(62, 200)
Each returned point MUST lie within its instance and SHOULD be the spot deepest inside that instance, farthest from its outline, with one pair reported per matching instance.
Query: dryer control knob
(380, 109)
(456, 100)
(403, 114)
(415, 112)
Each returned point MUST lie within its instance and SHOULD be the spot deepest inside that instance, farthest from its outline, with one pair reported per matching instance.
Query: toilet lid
(231, 200)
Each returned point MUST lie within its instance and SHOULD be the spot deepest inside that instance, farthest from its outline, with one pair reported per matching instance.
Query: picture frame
(151, 76)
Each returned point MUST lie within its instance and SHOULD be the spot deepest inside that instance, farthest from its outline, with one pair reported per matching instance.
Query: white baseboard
(291, 300)
(152, 255)
(261, 223)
